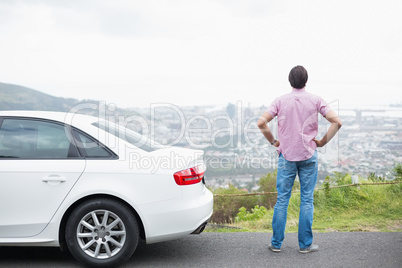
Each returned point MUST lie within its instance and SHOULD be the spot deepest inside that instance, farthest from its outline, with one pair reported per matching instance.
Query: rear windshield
(130, 136)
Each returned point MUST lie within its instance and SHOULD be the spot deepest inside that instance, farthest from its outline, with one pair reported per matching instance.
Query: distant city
(236, 153)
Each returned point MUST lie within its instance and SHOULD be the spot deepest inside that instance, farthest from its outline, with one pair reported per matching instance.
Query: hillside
(14, 97)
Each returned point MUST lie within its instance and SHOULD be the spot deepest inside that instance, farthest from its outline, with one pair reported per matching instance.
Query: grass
(348, 209)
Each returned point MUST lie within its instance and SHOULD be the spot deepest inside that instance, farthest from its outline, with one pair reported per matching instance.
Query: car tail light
(190, 176)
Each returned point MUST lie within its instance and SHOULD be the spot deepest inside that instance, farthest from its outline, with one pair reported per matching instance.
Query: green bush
(397, 172)
(374, 178)
(256, 213)
(326, 184)
(341, 178)
(267, 183)
(227, 207)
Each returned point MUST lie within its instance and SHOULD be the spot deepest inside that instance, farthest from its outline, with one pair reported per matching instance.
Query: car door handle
(54, 179)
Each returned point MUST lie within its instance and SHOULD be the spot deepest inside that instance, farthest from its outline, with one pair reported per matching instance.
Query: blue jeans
(287, 170)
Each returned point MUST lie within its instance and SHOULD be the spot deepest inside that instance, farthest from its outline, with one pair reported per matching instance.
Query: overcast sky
(133, 53)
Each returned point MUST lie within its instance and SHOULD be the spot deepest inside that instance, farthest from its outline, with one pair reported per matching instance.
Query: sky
(189, 53)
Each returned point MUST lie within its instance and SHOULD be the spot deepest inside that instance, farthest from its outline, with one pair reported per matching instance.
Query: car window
(130, 136)
(30, 138)
(89, 147)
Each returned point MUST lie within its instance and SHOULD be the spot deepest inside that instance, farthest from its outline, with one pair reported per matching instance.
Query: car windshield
(130, 136)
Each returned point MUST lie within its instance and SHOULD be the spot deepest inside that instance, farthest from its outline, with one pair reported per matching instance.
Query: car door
(39, 165)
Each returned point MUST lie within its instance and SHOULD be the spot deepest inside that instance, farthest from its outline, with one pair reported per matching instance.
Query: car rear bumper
(179, 217)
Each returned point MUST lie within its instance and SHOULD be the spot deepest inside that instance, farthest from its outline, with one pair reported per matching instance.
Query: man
(297, 114)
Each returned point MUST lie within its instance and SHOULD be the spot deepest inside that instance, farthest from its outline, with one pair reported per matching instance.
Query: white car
(94, 187)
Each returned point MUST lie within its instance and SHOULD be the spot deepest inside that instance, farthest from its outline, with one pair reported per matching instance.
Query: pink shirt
(297, 123)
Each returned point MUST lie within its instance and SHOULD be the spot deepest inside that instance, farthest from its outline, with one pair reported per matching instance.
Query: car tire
(102, 233)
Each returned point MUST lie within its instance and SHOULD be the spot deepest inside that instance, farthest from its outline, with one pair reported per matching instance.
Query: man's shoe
(274, 249)
(311, 248)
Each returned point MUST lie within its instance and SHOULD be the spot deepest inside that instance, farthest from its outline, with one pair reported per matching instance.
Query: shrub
(267, 183)
(227, 207)
(373, 178)
(342, 178)
(326, 185)
(397, 172)
(256, 213)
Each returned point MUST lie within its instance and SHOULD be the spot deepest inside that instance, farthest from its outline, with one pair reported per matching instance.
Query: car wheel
(102, 233)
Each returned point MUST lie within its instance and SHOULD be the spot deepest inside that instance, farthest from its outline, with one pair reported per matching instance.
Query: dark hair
(298, 77)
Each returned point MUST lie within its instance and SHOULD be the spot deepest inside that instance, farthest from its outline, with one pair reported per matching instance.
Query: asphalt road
(237, 250)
